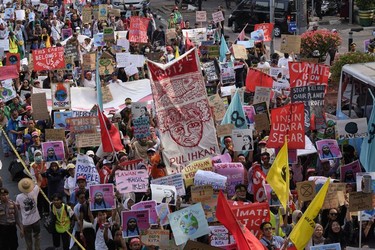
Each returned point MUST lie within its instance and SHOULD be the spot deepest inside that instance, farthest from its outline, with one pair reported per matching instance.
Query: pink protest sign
(53, 151)
(233, 171)
(132, 181)
(134, 222)
(102, 197)
(147, 205)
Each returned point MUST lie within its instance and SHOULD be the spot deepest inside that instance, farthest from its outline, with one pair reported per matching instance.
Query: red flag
(8, 72)
(242, 35)
(182, 24)
(111, 140)
(267, 28)
(257, 78)
(244, 238)
(188, 43)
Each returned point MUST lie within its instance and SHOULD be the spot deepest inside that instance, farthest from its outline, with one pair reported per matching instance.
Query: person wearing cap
(9, 220)
(70, 182)
(37, 145)
(81, 187)
(114, 79)
(27, 202)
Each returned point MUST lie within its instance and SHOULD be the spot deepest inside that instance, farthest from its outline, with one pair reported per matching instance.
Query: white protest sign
(123, 59)
(201, 16)
(172, 180)
(351, 128)
(85, 166)
(8, 91)
(31, 17)
(124, 43)
(218, 16)
(164, 194)
(262, 94)
(131, 70)
(20, 15)
(131, 181)
(217, 181)
(4, 43)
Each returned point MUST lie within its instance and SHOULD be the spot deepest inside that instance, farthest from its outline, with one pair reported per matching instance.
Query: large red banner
(257, 78)
(305, 74)
(49, 58)
(9, 72)
(251, 214)
(267, 28)
(288, 121)
(138, 29)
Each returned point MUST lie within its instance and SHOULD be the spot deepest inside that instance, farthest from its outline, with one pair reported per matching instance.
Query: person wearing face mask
(35, 136)
(37, 169)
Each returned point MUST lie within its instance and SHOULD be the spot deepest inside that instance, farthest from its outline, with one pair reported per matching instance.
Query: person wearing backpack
(63, 216)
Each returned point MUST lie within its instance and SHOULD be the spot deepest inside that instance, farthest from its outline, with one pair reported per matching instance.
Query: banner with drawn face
(186, 125)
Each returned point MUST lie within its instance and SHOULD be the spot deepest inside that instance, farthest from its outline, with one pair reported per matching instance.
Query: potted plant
(316, 44)
(365, 11)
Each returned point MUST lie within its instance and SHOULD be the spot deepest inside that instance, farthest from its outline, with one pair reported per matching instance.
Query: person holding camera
(269, 240)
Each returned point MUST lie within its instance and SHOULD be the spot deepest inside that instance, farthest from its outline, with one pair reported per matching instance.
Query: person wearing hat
(9, 220)
(70, 182)
(81, 187)
(27, 202)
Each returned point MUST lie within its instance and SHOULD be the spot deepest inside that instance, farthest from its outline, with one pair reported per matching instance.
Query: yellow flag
(278, 176)
(177, 53)
(303, 231)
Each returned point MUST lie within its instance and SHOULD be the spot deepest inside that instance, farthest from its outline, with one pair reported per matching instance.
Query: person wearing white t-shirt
(70, 182)
(263, 64)
(89, 81)
(27, 202)
(284, 63)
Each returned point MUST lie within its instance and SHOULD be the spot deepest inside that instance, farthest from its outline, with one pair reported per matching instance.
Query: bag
(49, 223)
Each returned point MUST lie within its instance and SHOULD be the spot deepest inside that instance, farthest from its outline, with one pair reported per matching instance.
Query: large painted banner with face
(186, 124)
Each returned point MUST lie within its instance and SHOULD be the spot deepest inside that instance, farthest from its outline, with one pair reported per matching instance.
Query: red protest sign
(138, 29)
(259, 180)
(288, 120)
(267, 28)
(49, 58)
(305, 74)
(8, 72)
(13, 59)
(256, 78)
(251, 214)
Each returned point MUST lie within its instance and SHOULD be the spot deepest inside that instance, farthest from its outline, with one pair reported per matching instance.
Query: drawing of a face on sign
(185, 125)
(61, 93)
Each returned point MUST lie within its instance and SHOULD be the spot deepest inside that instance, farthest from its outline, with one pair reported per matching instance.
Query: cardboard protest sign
(243, 139)
(162, 211)
(359, 201)
(39, 105)
(224, 130)
(102, 197)
(155, 237)
(189, 171)
(59, 119)
(164, 194)
(217, 181)
(48, 58)
(351, 128)
(55, 134)
(131, 181)
(348, 172)
(188, 223)
(290, 44)
(201, 193)
(103, 12)
(328, 149)
(134, 223)
(170, 34)
(106, 64)
(89, 61)
(239, 51)
(115, 12)
(217, 104)
(195, 245)
(219, 236)
(201, 16)
(218, 16)
(227, 74)
(86, 124)
(88, 140)
(172, 180)
(262, 122)
(213, 51)
(106, 94)
(53, 151)
(335, 196)
(147, 205)
(234, 173)
(85, 167)
(8, 91)
(267, 30)
(306, 190)
(334, 246)
(108, 34)
(210, 71)
(251, 215)
(138, 29)
(288, 121)
(305, 74)
(60, 93)
(262, 94)
(86, 14)
(13, 59)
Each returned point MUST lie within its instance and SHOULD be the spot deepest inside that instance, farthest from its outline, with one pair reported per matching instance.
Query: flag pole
(99, 96)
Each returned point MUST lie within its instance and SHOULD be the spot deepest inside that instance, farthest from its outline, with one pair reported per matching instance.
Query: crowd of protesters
(69, 196)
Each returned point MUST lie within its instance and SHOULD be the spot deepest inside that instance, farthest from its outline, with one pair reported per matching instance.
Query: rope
(29, 174)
